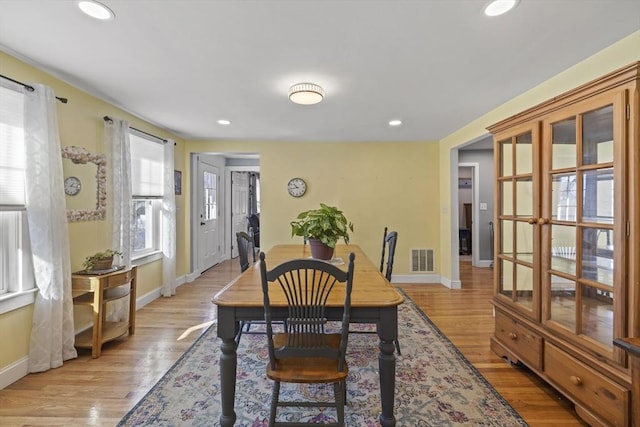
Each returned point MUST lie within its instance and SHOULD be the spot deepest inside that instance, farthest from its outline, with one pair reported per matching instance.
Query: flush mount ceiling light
(96, 10)
(499, 7)
(306, 93)
(224, 122)
(395, 122)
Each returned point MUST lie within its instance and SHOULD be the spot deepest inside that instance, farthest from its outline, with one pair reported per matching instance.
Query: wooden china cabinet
(567, 239)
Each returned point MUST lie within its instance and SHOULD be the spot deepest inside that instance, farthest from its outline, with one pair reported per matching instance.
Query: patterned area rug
(435, 385)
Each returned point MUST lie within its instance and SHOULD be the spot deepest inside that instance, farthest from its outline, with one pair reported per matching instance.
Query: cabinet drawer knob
(513, 335)
(575, 380)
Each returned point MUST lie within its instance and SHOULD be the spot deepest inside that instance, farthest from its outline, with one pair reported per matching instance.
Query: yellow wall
(374, 184)
(80, 123)
(620, 54)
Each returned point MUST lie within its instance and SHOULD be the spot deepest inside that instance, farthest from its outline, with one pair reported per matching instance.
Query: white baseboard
(416, 278)
(12, 373)
(484, 264)
(192, 276)
(181, 280)
(451, 284)
(145, 299)
(426, 279)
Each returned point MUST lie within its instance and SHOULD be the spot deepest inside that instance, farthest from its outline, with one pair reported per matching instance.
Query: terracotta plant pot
(319, 250)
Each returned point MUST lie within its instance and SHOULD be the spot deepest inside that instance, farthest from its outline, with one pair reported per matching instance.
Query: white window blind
(147, 170)
(12, 160)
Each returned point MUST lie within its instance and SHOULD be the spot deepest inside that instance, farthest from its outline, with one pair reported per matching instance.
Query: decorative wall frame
(79, 155)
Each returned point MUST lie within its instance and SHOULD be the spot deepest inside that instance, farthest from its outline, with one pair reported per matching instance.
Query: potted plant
(323, 228)
(100, 260)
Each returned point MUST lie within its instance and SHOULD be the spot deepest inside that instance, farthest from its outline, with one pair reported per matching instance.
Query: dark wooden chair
(254, 225)
(389, 241)
(305, 352)
(388, 245)
(246, 250)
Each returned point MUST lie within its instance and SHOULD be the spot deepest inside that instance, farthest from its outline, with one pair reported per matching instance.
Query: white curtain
(119, 162)
(169, 224)
(52, 333)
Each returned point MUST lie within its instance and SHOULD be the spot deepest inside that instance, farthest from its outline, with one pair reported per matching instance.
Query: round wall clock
(297, 187)
(72, 186)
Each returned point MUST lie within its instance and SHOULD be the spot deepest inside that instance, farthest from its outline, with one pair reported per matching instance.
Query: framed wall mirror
(85, 176)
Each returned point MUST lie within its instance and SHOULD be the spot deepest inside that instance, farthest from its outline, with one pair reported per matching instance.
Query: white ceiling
(435, 64)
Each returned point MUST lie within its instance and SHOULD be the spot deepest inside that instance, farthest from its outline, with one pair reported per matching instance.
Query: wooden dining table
(373, 300)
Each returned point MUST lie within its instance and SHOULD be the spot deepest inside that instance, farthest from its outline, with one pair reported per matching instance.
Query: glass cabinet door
(516, 233)
(581, 232)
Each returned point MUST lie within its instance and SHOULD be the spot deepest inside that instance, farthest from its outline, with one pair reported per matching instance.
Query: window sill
(14, 300)
(146, 258)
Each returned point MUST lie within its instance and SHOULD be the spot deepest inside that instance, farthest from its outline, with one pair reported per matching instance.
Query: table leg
(227, 327)
(228, 365)
(388, 332)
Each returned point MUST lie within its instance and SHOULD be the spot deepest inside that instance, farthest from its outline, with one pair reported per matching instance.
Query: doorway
(206, 222)
(467, 212)
(477, 155)
(219, 204)
(239, 206)
(241, 201)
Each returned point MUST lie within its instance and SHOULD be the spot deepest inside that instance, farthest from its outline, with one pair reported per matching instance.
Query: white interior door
(239, 206)
(208, 233)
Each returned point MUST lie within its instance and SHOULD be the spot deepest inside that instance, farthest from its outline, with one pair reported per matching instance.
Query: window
(147, 178)
(16, 271)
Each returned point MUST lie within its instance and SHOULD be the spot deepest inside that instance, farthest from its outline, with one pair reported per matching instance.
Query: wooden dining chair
(389, 246)
(246, 249)
(389, 240)
(305, 352)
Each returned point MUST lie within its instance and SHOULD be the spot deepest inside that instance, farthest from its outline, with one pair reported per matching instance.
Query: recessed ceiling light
(498, 7)
(96, 10)
(224, 122)
(395, 122)
(306, 93)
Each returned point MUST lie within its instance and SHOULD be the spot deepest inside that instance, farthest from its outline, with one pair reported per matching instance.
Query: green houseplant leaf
(90, 261)
(327, 224)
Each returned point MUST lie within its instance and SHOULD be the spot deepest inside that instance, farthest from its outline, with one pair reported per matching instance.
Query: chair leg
(275, 396)
(339, 390)
(244, 326)
(239, 334)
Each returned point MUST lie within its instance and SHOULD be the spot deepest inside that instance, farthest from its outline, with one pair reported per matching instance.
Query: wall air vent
(422, 261)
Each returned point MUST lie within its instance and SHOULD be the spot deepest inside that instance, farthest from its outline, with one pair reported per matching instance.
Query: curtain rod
(110, 120)
(31, 89)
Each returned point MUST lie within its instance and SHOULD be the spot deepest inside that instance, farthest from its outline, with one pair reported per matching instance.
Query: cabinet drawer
(119, 279)
(520, 340)
(594, 391)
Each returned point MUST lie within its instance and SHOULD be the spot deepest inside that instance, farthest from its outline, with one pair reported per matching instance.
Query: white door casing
(239, 206)
(208, 223)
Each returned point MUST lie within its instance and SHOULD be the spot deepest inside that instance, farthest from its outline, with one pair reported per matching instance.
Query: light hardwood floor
(98, 392)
